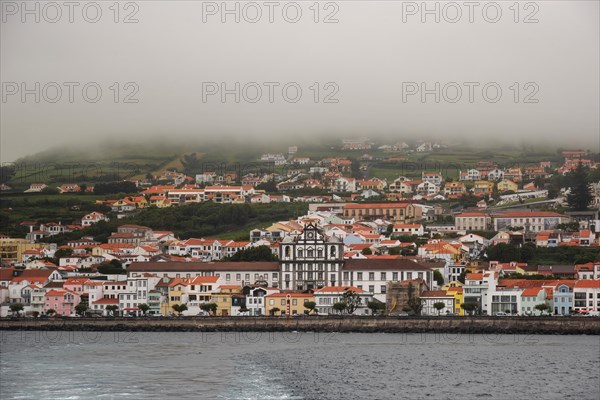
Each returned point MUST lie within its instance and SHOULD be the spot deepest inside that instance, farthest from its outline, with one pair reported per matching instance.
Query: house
(255, 299)
(428, 188)
(483, 188)
(472, 221)
(495, 174)
(457, 293)
(532, 297)
(228, 300)
(388, 211)
(69, 188)
(92, 218)
(373, 275)
(531, 221)
(586, 295)
(430, 297)
(344, 185)
(506, 185)
(327, 296)
(588, 271)
(62, 301)
(36, 188)
(432, 177)
(408, 229)
(470, 175)
(290, 303)
(454, 189)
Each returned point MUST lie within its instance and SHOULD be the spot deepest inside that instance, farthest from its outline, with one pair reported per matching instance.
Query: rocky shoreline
(464, 325)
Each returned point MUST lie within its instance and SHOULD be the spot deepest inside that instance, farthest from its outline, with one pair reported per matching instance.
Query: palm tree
(275, 310)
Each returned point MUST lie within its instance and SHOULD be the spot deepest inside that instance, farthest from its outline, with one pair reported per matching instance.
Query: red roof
(339, 289)
(107, 301)
(587, 284)
(435, 293)
(531, 292)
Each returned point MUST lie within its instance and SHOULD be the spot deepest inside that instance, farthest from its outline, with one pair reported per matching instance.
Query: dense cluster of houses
(484, 179)
(318, 261)
(385, 252)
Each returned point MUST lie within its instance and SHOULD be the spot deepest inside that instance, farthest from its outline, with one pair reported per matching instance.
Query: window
(394, 276)
(383, 289)
(238, 277)
(371, 289)
(359, 276)
(283, 302)
(294, 302)
(346, 275)
(383, 276)
(371, 276)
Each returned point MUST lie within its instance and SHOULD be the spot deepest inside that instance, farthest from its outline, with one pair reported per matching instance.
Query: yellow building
(281, 301)
(224, 299)
(481, 188)
(12, 249)
(457, 292)
(177, 288)
(506, 185)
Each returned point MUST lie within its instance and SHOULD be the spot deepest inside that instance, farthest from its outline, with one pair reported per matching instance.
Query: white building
(430, 297)
(329, 295)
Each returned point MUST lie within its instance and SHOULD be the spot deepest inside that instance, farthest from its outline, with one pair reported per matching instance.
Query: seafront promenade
(462, 325)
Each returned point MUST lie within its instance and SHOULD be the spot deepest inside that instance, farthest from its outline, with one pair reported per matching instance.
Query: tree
(351, 299)
(394, 251)
(542, 307)
(439, 306)
(61, 253)
(259, 253)
(111, 268)
(210, 308)
(375, 306)
(469, 307)
(81, 308)
(438, 277)
(243, 310)
(275, 310)
(50, 312)
(112, 308)
(462, 276)
(414, 301)
(311, 306)
(340, 306)
(569, 226)
(16, 308)
(580, 195)
(407, 309)
(144, 308)
(367, 251)
(179, 308)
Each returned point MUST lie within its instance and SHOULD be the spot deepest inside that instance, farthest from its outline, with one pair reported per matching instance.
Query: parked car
(501, 314)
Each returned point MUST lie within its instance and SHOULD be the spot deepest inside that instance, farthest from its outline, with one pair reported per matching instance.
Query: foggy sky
(368, 54)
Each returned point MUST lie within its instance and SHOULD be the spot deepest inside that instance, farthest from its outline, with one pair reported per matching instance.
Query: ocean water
(296, 365)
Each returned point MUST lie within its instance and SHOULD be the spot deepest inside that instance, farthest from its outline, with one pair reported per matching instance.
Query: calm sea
(107, 365)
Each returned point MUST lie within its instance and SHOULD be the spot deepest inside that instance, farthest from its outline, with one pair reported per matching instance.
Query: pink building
(62, 301)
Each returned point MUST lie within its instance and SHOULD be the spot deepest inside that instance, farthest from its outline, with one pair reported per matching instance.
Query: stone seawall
(488, 325)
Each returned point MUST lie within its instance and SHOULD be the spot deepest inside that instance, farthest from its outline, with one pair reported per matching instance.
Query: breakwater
(487, 325)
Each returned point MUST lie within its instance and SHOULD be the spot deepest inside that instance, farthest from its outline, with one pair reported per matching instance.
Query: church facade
(310, 260)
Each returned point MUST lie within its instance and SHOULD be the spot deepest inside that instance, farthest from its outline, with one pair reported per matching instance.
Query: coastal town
(444, 240)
